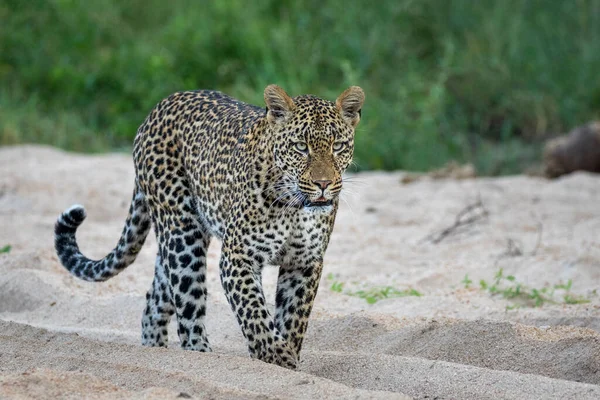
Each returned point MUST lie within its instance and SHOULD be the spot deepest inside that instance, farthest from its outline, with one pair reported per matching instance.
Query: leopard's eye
(301, 147)
(338, 146)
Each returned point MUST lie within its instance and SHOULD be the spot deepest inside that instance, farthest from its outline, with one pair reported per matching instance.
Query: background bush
(481, 81)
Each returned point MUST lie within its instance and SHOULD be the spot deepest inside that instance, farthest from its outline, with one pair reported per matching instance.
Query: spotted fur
(265, 182)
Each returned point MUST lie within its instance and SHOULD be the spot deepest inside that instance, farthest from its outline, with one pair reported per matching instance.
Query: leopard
(264, 181)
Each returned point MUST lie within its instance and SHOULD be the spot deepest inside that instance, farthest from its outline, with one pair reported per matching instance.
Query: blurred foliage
(481, 81)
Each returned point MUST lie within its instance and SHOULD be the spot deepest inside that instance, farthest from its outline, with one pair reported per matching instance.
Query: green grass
(502, 285)
(371, 294)
(5, 249)
(25, 122)
(479, 81)
(521, 295)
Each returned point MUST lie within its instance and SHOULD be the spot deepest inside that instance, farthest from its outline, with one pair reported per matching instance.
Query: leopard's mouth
(320, 202)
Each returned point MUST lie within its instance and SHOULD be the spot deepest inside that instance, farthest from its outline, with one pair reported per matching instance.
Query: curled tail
(134, 234)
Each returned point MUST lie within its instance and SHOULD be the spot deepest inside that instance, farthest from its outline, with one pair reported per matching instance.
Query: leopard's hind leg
(181, 234)
(183, 243)
(159, 309)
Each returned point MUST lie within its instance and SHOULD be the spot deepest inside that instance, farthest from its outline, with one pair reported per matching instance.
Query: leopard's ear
(350, 103)
(279, 104)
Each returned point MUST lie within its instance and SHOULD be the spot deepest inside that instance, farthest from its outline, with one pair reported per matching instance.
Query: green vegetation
(5, 249)
(480, 81)
(520, 295)
(372, 294)
(466, 281)
(505, 286)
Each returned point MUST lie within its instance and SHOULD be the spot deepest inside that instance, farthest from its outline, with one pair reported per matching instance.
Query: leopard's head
(313, 142)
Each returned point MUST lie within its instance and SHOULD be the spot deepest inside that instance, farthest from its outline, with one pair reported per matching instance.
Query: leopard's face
(313, 145)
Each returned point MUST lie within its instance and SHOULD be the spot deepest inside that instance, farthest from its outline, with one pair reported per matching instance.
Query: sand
(65, 338)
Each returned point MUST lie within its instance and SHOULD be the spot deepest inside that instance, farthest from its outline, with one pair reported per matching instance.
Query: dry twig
(515, 249)
(467, 216)
(539, 238)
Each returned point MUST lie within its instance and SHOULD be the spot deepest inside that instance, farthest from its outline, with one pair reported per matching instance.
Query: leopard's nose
(322, 183)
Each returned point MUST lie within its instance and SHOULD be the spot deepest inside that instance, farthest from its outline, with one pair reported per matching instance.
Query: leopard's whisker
(292, 202)
(349, 206)
(354, 181)
(349, 191)
(277, 199)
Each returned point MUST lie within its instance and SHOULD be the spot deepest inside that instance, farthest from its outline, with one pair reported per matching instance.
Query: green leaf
(337, 287)
(466, 281)
(499, 275)
(570, 299)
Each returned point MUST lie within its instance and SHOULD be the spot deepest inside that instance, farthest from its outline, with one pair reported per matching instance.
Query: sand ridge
(60, 337)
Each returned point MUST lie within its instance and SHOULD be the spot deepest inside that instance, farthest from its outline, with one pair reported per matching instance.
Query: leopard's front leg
(296, 291)
(241, 280)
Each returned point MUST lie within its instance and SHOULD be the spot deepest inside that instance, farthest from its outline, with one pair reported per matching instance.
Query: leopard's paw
(279, 353)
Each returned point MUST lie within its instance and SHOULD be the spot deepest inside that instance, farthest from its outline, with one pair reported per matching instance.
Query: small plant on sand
(371, 294)
(5, 249)
(466, 281)
(520, 295)
(336, 286)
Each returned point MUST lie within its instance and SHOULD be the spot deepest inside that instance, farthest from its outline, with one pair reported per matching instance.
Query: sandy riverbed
(65, 338)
